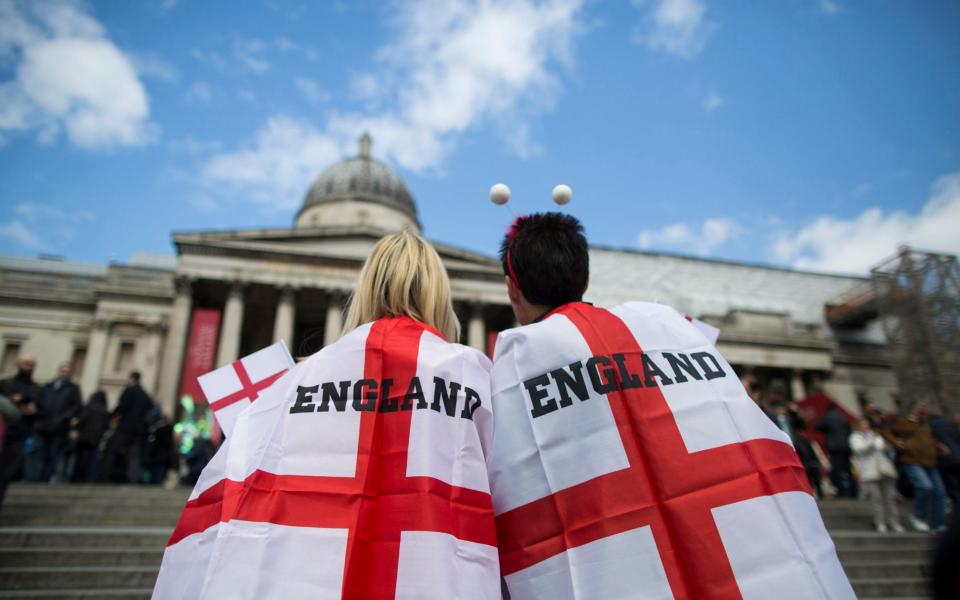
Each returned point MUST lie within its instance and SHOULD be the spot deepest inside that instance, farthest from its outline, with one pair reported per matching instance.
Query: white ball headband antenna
(500, 194)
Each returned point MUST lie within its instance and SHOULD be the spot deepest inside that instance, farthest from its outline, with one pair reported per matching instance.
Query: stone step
(72, 594)
(21, 490)
(105, 501)
(81, 510)
(76, 537)
(107, 519)
(853, 540)
(888, 587)
(44, 578)
(85, 557)
(885, 554)
(858, 569)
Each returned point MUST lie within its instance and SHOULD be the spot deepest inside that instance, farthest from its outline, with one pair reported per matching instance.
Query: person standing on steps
(878, 475)
(130, 417)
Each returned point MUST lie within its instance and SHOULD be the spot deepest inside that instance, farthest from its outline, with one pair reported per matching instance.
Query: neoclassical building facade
(228, 293)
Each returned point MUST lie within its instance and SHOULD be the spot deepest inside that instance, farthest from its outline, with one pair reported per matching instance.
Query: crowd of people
(49, 434)
(879, 457)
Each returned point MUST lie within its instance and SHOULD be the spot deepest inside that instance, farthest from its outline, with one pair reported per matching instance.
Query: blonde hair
(403, 276)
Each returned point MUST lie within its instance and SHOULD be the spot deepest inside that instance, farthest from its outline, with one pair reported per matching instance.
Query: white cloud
(68, 77)
(150, 65)
(22, 236)
(712, 101)
(250, 54)
(199, 92)
(212, 58)
(30, 218)
(677, 27)
(48, 214)
(284, 43)
(450, 67)
(193, 145)
(829, 7)
(276, 169)
(702, 240)
(854, 245)
(310, 90)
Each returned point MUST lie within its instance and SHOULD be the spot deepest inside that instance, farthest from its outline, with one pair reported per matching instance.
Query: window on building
(11, 350)
(124, 357)
(77, 361)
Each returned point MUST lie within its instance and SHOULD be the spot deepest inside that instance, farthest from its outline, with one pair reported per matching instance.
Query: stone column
(93, 365)
(284, 319)
(334, 321)
(175, 346)
(477, 329)
(150, 354)
(231, 327)
(797, 391)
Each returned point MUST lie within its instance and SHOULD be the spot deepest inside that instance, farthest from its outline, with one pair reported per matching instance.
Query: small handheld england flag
(232, 388)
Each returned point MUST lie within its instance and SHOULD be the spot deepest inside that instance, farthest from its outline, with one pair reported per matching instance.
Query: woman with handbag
(877, 475)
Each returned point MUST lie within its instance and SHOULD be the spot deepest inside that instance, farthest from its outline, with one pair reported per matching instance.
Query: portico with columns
(292, 284)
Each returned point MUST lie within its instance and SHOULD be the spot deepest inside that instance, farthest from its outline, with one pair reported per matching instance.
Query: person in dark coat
(59, 404)
(130, 417)
(799, 435)
(21, 390)
(158, 452)
(947, 432)
(836, 440)
(93, 423)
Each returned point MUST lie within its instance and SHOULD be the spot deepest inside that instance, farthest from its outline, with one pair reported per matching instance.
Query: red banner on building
(201, 351)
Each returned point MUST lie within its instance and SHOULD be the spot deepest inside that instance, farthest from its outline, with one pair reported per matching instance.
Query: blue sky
(811, 133)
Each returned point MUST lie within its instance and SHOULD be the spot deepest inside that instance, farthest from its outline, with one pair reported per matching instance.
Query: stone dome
(359, 191)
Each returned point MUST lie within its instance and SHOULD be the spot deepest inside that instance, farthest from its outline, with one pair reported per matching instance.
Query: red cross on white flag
(232, 388)
(360, 475)
(629, 462)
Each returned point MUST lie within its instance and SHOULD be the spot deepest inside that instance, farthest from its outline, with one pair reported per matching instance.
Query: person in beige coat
(877, 475)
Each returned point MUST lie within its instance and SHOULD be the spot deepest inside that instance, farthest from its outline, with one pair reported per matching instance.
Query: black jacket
(23, 384)
(947, 433)
(94, 420)
(132, 409)
(59, 402)
(836, 432)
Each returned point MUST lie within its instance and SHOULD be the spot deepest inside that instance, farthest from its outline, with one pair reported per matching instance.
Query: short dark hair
(135, 376)
(545, 254)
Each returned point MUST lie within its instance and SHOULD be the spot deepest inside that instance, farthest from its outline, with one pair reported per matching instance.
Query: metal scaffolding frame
(918, 299)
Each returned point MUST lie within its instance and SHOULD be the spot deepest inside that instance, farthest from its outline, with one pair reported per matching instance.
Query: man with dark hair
(130, 418)
(58, 406)
(627, 457)
(546, 257)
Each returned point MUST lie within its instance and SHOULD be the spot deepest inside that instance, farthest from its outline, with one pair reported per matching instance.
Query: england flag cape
(359, 474)
(628, 462)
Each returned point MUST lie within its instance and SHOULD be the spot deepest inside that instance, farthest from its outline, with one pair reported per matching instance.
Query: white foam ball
(499, 193)
(562, 194)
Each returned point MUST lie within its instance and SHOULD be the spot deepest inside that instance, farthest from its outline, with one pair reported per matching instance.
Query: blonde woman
(361, 473)
(877, 475)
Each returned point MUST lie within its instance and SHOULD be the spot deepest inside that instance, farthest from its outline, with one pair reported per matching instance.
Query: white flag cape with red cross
(359, 474)
(628, 462)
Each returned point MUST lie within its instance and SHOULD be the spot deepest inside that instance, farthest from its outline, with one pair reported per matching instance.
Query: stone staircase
(69, 542)
(879, 565)
(82, 541)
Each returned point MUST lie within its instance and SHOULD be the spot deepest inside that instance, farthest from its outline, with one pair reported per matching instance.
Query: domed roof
(363, 179)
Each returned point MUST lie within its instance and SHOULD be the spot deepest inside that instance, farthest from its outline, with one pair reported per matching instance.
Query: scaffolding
(918, 301)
